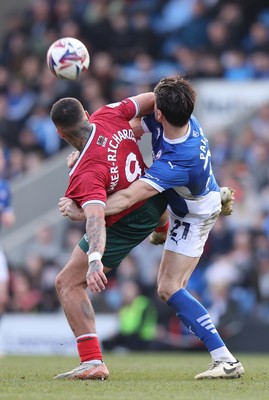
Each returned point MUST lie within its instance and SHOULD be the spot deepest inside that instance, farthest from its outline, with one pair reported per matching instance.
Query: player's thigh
(129, 231)
(175, 270)
(74, 272)
(187, 235)
(115, 250)
(76, 268)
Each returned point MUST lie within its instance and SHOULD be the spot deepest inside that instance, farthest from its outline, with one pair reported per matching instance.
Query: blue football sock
(196, 318)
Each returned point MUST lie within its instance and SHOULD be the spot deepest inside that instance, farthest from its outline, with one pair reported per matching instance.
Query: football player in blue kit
(182, 169)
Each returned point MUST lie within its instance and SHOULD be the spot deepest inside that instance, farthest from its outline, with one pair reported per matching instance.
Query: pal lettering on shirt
(205, 153)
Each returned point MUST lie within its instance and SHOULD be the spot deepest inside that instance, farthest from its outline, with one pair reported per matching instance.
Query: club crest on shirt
(101, 141)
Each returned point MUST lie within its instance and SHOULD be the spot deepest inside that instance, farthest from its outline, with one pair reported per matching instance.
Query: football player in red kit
(109, 160)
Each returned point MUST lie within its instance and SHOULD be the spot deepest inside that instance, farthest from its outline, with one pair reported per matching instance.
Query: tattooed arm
(96, 233)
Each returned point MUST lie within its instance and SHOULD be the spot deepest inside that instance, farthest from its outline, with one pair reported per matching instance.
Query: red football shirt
(111, 159)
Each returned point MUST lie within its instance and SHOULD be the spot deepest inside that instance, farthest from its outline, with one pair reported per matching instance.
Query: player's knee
(58, 284)
(166, 289)
(61, 285)
(163, 291)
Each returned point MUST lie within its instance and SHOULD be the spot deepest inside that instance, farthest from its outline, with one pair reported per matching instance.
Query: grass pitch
(153, 376)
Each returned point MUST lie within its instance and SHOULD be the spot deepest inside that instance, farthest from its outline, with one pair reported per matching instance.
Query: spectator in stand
(20, 103)
(102, 68)
(219, 242)
(38, 21)
(218, 37)
(137, 321)
(210, 66)
(147, 268)
(30, 71)
(91, 93)
(257, 38)
(259, 275)
(63, 12)
(16, 163)
(7, 219)
(143, 37)
(72, 236)
(226, 311)
(43, 129)
(260, 123)
(23, 298)
(231, 13)
(174, 15)
(44, 244)
(122, 40)
(193, 34)
(6, 135)
(260, 64)
(236, 66)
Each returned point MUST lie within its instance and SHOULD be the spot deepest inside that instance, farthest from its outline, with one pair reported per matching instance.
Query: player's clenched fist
(96, 279)
(68, 208)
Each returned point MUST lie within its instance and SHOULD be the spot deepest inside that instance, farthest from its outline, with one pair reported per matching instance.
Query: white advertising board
(221, 103)
(46, 334)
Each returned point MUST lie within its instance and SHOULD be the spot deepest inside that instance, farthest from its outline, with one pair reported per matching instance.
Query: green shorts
(129, 231)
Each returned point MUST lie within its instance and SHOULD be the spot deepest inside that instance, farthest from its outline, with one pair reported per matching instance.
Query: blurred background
(222, 46)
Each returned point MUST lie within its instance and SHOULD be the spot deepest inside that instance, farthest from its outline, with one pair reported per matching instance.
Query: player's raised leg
(177, 269)
(71, 289)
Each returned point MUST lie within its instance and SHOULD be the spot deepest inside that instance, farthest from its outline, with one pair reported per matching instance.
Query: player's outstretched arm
(123, 199)
(96, 233)
(145, 102)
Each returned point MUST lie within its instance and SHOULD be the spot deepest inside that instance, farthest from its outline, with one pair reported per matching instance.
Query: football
(67, 58)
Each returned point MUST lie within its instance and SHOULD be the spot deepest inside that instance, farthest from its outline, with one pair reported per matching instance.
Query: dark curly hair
(175, 98)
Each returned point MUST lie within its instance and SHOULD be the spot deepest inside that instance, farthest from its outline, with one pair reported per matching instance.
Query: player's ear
(158, 114)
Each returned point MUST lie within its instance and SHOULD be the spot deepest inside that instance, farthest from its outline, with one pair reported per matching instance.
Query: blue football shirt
(181, 167)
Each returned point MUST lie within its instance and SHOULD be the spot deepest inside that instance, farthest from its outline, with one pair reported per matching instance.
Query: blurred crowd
(132, 45)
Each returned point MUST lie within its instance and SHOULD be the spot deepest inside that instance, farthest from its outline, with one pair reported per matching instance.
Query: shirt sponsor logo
(102, 141)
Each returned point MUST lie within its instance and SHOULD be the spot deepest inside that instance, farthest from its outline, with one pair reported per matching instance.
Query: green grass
(154, 376)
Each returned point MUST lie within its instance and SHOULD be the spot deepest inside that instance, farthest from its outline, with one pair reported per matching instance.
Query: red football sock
(89, 348)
